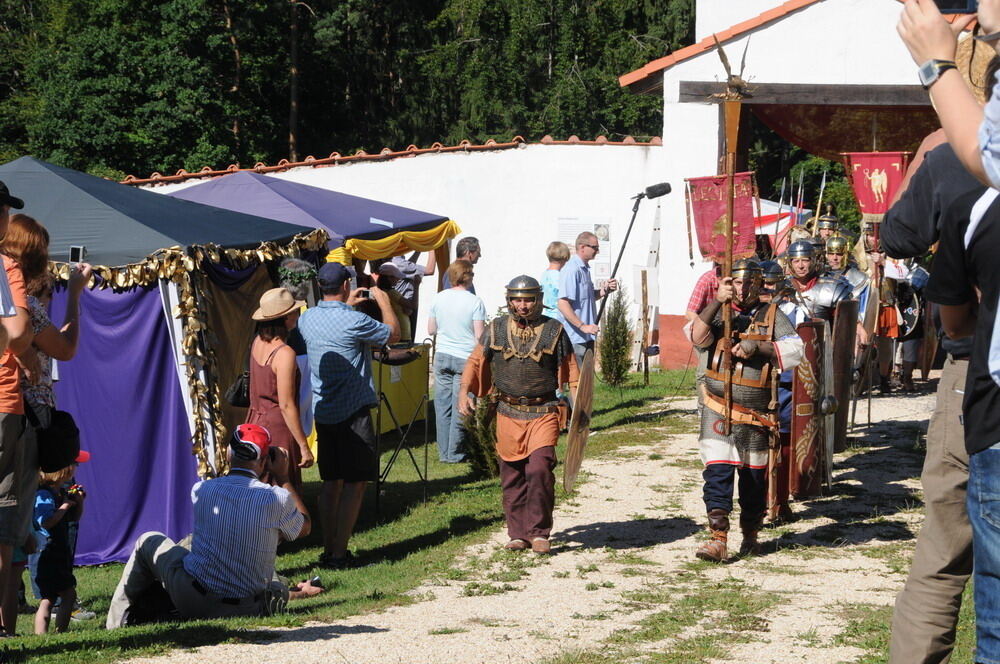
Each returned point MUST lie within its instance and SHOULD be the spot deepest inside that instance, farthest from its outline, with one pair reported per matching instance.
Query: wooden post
(731, 110)
(645, 330)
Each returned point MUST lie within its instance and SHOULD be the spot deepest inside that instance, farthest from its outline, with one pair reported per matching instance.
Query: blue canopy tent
(144, 385)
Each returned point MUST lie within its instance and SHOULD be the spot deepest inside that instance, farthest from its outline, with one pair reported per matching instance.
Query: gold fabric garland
(394, 245)
(182, 267)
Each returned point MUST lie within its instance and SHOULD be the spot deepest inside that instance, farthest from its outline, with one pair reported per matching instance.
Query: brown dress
(264, 410)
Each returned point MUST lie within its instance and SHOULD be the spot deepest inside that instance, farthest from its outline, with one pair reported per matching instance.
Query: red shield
(845, 330)
(808, 437)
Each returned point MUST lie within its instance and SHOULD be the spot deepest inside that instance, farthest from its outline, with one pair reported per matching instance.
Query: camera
(77, 254)
(365, 294)
(957, 6)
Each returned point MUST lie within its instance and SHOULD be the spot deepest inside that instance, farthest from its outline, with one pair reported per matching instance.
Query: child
(55, 508)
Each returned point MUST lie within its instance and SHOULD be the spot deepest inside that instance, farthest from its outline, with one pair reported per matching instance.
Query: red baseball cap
(250, 442)
(83, 456)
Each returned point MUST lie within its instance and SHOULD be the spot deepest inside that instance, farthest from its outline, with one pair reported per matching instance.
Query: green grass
(410, 542)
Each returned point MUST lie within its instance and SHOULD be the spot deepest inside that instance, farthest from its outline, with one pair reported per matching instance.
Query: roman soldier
(773, 274)
(828, 225)
(806, 294)
(520, 363)
(764, 344)
(838, 249)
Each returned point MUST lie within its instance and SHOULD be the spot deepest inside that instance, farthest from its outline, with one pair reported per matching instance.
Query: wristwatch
(931, 71)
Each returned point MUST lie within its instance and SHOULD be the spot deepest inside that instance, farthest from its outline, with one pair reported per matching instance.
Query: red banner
(875, 178)
(707, 203)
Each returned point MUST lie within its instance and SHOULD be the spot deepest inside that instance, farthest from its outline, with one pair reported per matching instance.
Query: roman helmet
(525, 286)
(802, 249)
(828, 221)
(750, 272)
(772, 272)
(838, 244)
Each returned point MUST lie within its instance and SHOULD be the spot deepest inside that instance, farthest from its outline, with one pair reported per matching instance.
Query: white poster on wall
(570, 227)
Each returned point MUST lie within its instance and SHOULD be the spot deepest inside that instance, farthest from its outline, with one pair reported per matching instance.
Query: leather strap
(740, 414)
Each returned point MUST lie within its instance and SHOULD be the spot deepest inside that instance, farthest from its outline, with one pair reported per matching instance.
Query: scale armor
(525, 361)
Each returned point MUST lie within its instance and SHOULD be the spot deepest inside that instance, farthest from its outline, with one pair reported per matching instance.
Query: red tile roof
(386, 154)
(648, 77)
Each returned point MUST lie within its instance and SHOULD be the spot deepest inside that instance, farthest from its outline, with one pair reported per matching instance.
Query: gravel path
(634, 526)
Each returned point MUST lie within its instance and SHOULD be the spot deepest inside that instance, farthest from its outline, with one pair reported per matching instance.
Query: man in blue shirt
(577, 296)
(338, 341)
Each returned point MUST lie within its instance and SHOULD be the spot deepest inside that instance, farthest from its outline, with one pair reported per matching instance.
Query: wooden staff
(731, 108)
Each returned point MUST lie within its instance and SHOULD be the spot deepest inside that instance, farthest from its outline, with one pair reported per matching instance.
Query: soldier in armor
(828, 225)
(764, 344)
(520, 363)
(807, 294)
(773, 274)
(838, 250)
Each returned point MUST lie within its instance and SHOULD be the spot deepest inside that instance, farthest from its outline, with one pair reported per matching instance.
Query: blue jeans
(450, 433)
(984, 514)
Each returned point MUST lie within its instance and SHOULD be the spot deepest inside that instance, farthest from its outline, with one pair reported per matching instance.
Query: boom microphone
(657, 190)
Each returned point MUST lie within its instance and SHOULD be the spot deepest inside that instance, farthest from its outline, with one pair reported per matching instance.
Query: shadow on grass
(639, 418)
(628, 534)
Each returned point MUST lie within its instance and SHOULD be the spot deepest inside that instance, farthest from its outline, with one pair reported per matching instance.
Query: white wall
(835, 42)
(511, 200)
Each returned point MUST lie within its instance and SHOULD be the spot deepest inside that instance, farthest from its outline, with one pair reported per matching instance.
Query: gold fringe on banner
(183, 268)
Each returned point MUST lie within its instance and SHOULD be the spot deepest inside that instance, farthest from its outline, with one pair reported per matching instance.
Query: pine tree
(615, 344)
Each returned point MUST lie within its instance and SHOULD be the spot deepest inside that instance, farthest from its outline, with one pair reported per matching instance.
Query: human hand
(989, 15)
(307, 457)
(356, 296)
(610, 286)
(80, 277)
(278, 464)
(862, 335)
(465, 404)
(589, 329)
(726, 290)
(926, 33)
(745, 349)
(877, 257)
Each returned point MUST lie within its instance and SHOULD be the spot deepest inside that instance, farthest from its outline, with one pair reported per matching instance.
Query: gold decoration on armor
(198, 341)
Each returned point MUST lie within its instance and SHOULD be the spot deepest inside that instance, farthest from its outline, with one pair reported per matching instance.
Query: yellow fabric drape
(394, 245)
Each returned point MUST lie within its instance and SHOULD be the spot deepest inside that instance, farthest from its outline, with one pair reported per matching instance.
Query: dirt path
(624, 580)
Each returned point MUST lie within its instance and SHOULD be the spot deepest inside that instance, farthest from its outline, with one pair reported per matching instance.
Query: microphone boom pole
(652, 191)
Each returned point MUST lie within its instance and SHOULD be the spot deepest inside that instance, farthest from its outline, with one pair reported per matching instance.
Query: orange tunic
(517, 439)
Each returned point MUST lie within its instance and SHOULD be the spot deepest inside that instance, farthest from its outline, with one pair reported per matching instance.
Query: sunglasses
(595, 247)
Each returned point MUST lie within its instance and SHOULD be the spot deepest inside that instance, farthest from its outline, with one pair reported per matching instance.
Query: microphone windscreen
(657, 190)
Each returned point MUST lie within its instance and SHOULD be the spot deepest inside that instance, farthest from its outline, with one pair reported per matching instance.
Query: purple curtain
(123, 391)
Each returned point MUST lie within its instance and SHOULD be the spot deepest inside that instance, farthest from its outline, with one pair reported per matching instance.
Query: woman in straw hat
(275, 378)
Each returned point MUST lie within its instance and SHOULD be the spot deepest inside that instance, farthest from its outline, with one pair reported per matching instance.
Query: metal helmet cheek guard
(803, 249)
(525, 287)
(838, 244)
(750, 272)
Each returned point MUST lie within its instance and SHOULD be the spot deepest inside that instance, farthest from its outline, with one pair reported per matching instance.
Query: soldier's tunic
(744, 452)
(520, 367)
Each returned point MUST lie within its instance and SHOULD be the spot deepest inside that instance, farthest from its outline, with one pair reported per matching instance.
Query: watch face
(928, 73)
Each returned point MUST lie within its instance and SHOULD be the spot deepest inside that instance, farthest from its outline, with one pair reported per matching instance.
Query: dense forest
(116, 86)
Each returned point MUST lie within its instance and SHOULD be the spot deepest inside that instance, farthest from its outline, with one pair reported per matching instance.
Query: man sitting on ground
(238, 522)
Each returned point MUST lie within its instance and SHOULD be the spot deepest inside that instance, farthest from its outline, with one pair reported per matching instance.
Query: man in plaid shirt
(703, 293)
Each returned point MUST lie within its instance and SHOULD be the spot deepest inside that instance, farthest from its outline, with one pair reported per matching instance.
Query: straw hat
(276, 303)
(973, 59)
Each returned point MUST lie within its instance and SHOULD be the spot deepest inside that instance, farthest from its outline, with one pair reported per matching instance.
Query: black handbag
(238, 394)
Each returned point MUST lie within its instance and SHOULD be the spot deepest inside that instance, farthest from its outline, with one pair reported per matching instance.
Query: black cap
(332, 276)
(7, 199)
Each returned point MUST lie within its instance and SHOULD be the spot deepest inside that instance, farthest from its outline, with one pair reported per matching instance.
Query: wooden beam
(813, 95)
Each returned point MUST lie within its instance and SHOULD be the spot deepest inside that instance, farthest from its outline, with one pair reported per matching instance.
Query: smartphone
(77, 254)
(957, 6)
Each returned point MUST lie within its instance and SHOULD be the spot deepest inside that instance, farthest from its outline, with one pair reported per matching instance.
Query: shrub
(615, 343)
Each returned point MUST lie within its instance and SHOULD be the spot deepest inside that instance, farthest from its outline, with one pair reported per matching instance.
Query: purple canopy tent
(342, 215)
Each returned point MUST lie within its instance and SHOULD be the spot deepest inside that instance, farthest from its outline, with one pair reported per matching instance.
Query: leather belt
(526, 401)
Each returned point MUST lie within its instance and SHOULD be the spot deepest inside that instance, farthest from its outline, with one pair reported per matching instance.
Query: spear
(731, 109)
(819, 205)
(800, 200)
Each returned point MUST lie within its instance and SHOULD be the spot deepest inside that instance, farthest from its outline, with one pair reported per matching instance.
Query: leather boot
(750, 528)
(714, 550)
(908, 368)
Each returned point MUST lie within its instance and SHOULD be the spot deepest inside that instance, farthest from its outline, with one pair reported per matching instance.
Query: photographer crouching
(238, 523)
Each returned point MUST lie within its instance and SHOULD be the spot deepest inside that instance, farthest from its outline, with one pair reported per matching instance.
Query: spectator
(17, 325)
(413, 275)
(704, 292)
(466, 249)
(54, 576)
(238, 522)
(577, 297)
(275, 380)
(27, 243)
(558, 255)
(298, 277)
(457, 318)
(339, 341)
(390, 276)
